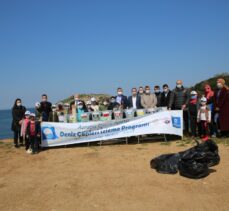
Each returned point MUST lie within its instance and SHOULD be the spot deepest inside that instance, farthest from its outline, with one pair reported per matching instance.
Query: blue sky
(94, 46)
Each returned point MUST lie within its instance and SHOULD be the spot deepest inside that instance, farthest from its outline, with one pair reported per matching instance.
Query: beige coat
(149, 101)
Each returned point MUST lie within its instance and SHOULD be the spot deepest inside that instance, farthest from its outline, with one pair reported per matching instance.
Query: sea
(5, 123)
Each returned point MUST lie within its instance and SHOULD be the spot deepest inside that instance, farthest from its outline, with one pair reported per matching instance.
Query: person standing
(121, 99)
(157, 92)
(166, 97)
(180, 102)
(18, 112)
(221, 104)
(148, 100)
(45, 107)
(193, 107)
(134, 101)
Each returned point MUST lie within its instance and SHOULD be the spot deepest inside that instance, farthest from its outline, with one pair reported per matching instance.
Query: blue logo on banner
(176, 122)
(48, 133)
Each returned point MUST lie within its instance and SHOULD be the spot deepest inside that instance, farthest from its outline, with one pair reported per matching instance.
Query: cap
(93, 99)
(193, 92)
(32, 115)
(80, 103)
(27, 113)
(203, 99)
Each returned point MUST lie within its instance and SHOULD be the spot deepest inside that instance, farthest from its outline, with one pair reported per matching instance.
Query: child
(192, 111)
(33, 133)
(204, 119)
(81, 108)
(24, 125)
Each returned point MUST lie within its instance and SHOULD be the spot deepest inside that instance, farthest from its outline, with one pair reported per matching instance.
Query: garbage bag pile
(192, 163)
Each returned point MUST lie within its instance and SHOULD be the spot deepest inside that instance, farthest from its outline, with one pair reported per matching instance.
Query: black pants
(203, 128)
(193, 124)
(34, 143)
(17, 135)
(186, 124)
(27, 143)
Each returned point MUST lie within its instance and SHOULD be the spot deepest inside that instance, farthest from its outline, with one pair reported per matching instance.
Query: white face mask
(18, 104)
(203, 103)
(219, 85)
(80, 106)
(147, 91)
(119, 93)
(105, 103)
(44, 100)
(165, 90)
(179, 85)
(141, 92)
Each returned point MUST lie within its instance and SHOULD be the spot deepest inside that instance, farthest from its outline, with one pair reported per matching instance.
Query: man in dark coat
(121, 99)
(166, 97)
(180, 102)
(221, 105)
(134, 101)
(157, 92)
(18, 112)
(45, 107)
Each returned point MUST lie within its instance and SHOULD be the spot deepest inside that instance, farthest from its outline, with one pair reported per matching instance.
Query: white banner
(163, 122)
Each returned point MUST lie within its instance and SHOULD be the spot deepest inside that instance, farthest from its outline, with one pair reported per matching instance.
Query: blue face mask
(193, 97)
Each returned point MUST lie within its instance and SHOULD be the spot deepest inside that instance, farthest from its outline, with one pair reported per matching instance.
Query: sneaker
(29, 151)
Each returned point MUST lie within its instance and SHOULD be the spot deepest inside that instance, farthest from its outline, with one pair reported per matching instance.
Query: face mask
(179, 86)
(54, 109)
(165, 90)
(76, 99)
(203, 103)
(113, 101)
(80, 106)
(18, 104)
(141, 92)
(147, 91)
(219, 85)
(193, 97)
(157, 91)
(119, 93)
(105, 103)
(44, 100)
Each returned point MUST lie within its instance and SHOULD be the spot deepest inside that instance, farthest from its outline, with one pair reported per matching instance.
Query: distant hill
(211, 81)
(86, 97)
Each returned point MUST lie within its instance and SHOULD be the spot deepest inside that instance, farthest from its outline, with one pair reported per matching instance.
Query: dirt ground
(110, 177)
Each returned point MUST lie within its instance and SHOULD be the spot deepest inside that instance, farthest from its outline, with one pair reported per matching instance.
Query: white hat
(203, 99)
(88, 102)
(37, 104)
(193, 92)
(93, 99)
(27, 113)
(67, 105)
(53, 106)
(80, 103)
(32, 114)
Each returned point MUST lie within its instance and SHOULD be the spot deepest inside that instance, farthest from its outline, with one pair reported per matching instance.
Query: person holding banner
(45, 107)
(180, 102)
(148, 100)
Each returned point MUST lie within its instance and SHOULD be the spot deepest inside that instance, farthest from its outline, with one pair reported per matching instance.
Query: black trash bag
(193, 169)
(166, 164)
(205, 152)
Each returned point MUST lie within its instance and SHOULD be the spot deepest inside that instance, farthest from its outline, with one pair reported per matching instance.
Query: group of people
(204, 115)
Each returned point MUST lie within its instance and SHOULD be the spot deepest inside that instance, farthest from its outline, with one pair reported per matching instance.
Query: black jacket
(166, 101)
(158, 95)
(180, 98)
(138, 102)
(17, 114)
(45, 109)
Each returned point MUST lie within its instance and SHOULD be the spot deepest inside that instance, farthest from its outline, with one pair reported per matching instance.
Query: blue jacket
(124, 101)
